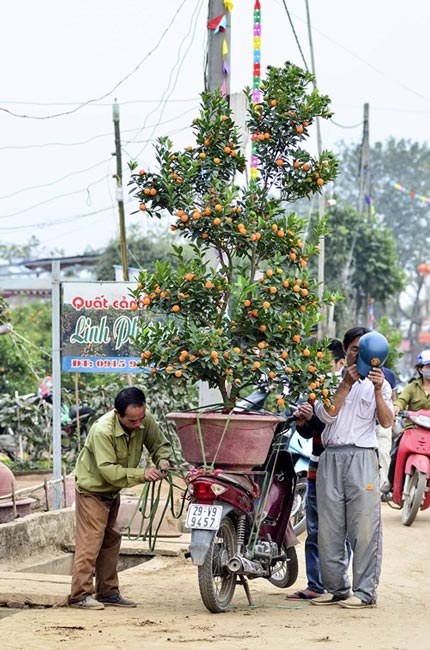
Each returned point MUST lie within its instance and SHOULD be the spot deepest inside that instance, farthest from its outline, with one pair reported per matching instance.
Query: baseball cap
(372, 352)
(423, 358)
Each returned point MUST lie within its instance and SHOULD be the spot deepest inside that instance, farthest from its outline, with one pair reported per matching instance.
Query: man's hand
(376, 376)
(164, 466)
(153, 474)
(303, 413)
(351, 375)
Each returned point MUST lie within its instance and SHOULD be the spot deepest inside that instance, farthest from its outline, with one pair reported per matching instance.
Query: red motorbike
(239, 520)
(412, 473)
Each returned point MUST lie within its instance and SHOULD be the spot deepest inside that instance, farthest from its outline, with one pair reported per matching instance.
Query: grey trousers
(349, 506)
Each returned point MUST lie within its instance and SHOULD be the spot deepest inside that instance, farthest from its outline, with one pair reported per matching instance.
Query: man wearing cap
(348, 474)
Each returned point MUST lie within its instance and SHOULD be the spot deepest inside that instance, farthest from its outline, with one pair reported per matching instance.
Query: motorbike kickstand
(243, 581)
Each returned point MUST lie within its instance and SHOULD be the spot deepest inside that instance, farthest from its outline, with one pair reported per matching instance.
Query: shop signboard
(99, 321)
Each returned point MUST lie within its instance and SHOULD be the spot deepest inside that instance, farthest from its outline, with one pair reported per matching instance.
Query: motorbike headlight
(421, 420)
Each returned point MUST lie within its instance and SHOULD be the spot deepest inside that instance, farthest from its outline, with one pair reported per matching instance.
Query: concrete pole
(56, 380)
(119, 190)
(214, 79)
(364, 162)
(323, 325)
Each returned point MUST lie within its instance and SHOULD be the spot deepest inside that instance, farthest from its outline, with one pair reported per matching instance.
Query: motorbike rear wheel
(285, 573)
(216, 583)
(298, 511)
(414, 500)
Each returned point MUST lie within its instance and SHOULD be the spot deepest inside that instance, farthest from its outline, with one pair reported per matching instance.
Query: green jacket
(413, 397)
(109, 459)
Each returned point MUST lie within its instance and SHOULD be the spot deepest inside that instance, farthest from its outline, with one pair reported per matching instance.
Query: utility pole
(326, 324)
(119, 191)
(364, 186)
(215, 77)
(364, 162)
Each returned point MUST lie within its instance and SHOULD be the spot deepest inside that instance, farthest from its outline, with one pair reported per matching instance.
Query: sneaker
(328, 599)
(116, 600)
(353, 602)
(87, 603)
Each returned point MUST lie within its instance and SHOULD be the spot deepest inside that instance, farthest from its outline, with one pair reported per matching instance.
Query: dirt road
(171, 615)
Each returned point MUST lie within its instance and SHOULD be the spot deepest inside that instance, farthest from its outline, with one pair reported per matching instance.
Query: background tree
(25, 352)
(406, 163)
(142, 251)
(361, 263)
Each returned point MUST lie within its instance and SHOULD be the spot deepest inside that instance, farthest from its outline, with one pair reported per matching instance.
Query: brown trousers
(97, 546)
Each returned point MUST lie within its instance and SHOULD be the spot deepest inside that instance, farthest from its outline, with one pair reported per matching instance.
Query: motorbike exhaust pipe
(240, 565)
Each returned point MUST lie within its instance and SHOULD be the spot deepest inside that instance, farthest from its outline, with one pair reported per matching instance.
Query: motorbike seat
(240, 480)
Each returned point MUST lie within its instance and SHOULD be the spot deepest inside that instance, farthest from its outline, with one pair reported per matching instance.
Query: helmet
(46, 388)
(423, 359)
(372, 352)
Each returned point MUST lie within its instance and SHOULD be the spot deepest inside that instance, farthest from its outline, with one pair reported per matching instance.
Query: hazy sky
(56, 172)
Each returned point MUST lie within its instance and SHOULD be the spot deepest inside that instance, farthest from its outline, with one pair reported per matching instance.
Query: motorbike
(240, 524)
(412, 472)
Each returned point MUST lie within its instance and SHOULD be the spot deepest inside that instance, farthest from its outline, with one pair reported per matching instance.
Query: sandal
(305, 594)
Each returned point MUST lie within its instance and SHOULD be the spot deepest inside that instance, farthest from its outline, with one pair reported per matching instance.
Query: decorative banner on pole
(369, 201)
(256, 83)
(370, 313)
(218, 25)
(410, 193)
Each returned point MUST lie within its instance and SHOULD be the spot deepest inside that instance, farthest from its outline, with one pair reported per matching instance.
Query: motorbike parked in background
(412, 473)
(72, 417)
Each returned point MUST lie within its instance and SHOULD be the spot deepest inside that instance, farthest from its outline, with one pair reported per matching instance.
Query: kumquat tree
(244, 303)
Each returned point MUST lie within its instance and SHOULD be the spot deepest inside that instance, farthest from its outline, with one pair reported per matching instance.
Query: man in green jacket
(107, 463)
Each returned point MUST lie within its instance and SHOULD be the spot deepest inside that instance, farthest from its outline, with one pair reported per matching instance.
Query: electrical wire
(295, 35)
(115, 87)
(94, 137)
(130, 101)
(343, 126)
(74, 173)
(178, 65)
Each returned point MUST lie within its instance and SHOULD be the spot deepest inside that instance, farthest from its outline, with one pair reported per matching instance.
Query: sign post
(56, 380)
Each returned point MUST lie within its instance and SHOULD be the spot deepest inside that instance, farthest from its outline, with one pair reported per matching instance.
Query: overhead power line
(295, 35)
(96, 137)
(113, 89)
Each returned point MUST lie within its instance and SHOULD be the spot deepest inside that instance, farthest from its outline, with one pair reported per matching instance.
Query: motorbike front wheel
(414, 500)
(298, 511)
(216, 583)
(285, 573)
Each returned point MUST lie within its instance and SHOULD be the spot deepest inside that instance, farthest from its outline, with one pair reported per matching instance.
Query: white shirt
(355, 424)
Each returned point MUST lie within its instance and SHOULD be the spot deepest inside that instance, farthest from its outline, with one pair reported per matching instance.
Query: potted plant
(244, 303)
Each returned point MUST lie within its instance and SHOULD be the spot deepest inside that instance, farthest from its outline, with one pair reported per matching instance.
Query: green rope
(147, 505)
(253, 536)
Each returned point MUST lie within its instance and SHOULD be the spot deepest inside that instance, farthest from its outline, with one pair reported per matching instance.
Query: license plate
(204, 517)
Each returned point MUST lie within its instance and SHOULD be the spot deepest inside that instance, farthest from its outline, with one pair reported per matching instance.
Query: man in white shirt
(348, 482)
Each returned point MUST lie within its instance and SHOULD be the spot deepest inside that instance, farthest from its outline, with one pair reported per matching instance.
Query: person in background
(107, 463)
(385, 435)
(415, 396)
(309, 426)
(349, 504)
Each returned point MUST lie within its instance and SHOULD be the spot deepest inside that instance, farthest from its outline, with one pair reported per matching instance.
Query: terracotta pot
(236, 442)
(6, 480)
